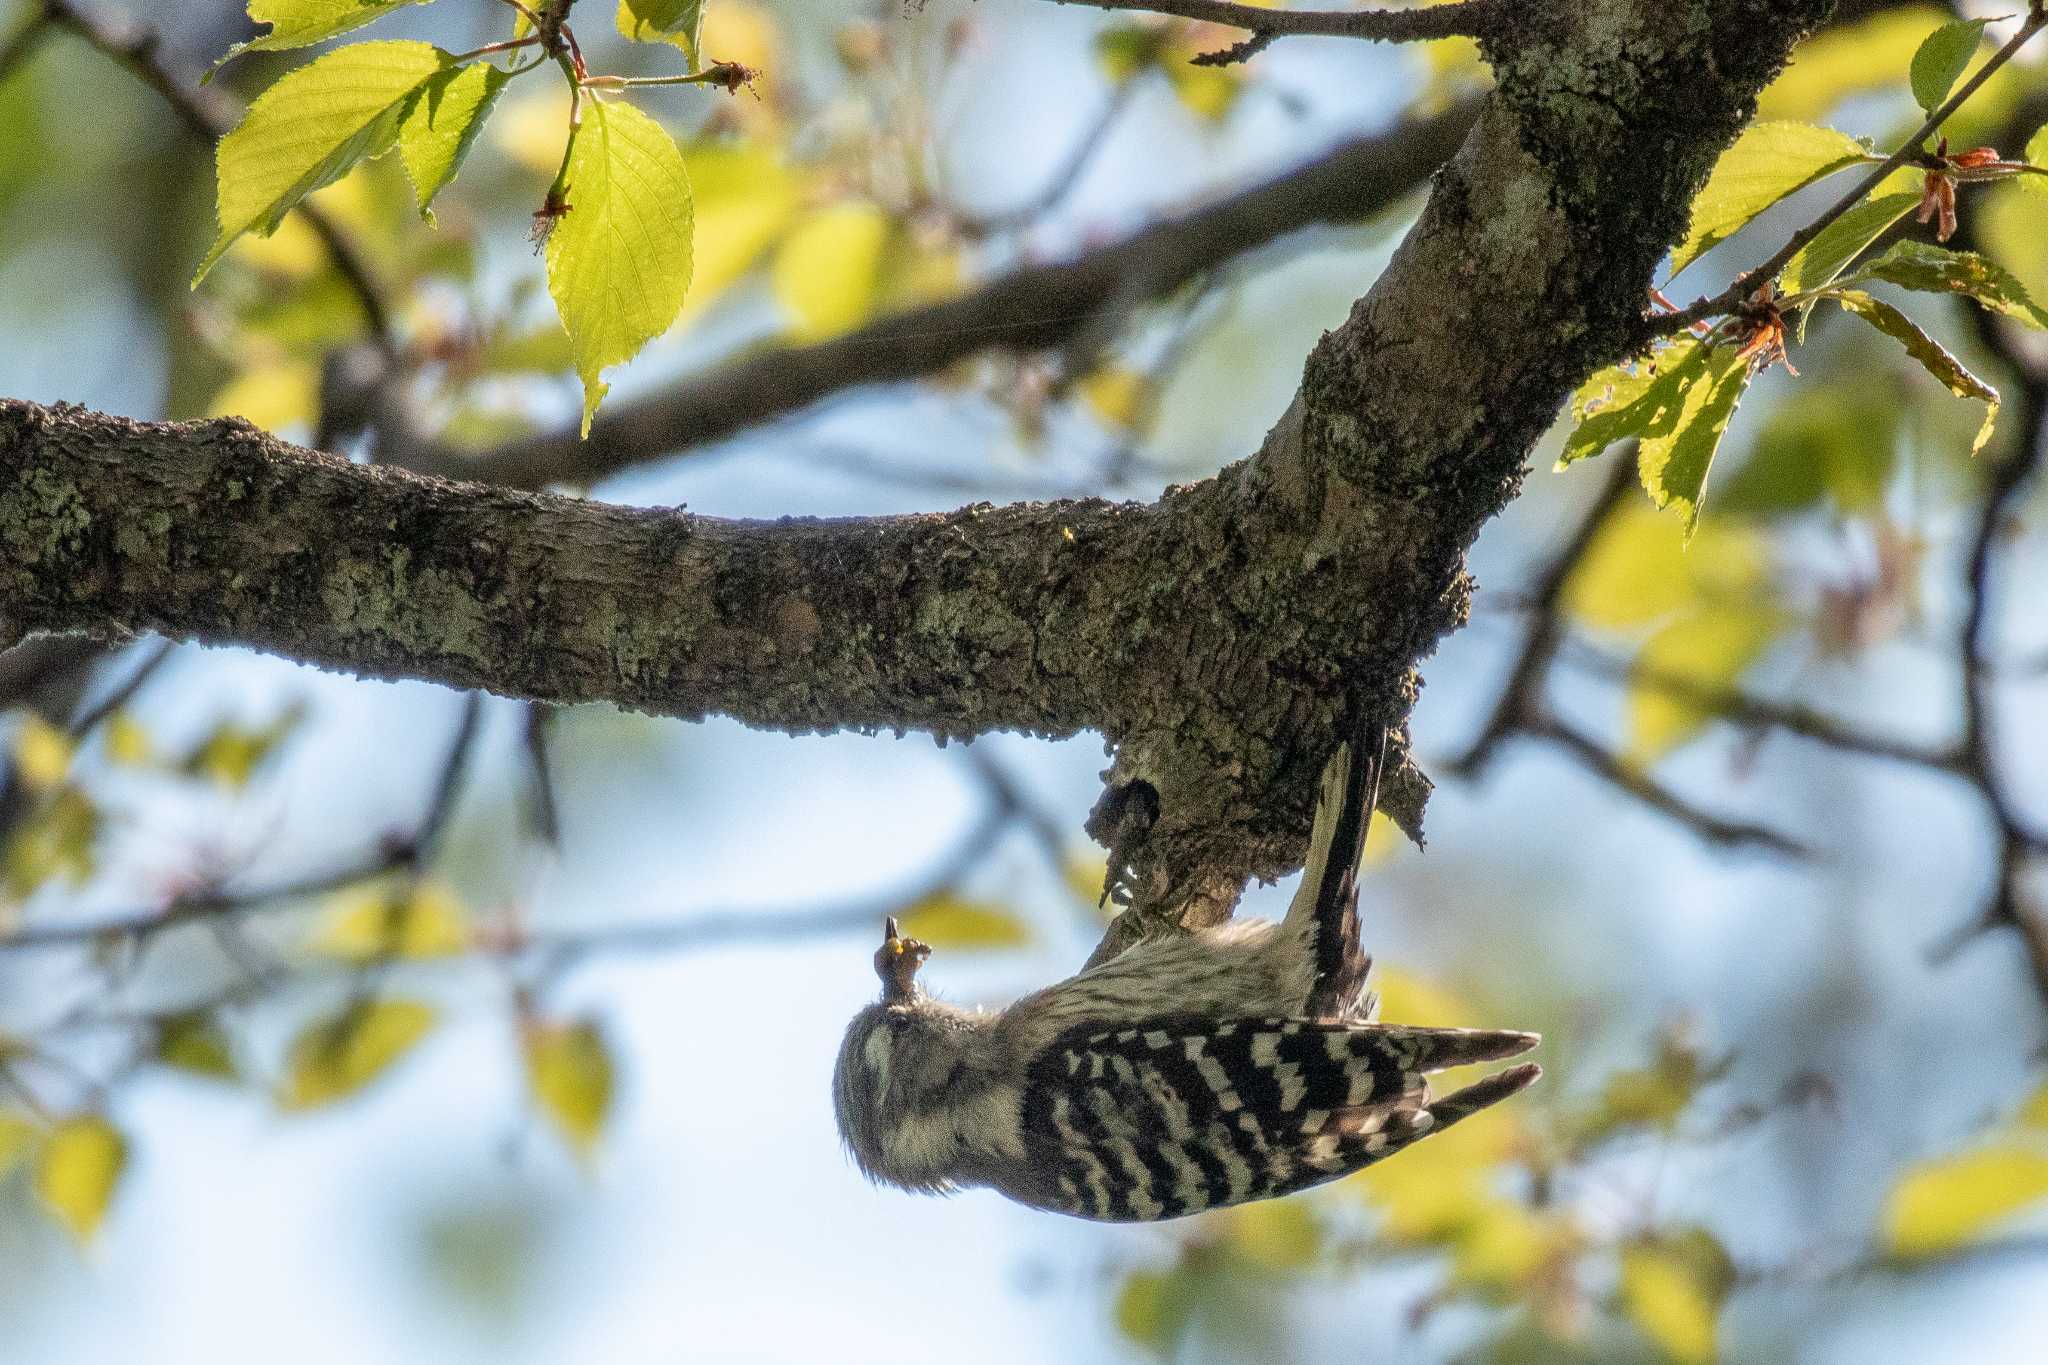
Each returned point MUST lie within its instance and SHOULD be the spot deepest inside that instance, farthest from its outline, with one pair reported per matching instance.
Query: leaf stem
(509, 45)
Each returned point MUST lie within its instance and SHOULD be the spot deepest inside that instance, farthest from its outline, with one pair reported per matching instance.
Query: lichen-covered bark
(1212, 637)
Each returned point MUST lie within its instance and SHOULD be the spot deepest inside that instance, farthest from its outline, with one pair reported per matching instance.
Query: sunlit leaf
(1124, 51)
(1119, 396)
(1932, 355)
(275, 395)
(42, 754)
(2036, 155)
(1651, 1097)
(310, 128)
(619, 259)
(397, 920)
(1942, 58)
(1640, 569)
(1949, 1202)
(1152, 1308)
(1839, 441)
(828, 268)
(127, 740)
(1668, 1302)
(1274, 1234)
(195, 1043)
(77, 1170)
(1934, 269)
(1619, 401)
(1769, 161)
(442, 126)
(665, 21)
(300, 23)
(1707, 650)
(1846, 59)
(946, 919)
(569, 1068)
(18, 1138)
(746, 197)
(58, 840)
(230, 753)
(1840, 242)
(1676, 449)
(335, 1057)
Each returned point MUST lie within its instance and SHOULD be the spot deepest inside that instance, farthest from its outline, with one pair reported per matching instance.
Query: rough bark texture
(1213, 637)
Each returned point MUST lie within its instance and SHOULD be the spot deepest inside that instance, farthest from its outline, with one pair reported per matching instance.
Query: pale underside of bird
(1189, 1072)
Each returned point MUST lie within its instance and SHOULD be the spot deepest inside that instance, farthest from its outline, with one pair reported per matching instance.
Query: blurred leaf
(127, 741)
(230, 754)
(1943, 1204)
(1665, 1297)
(1441, 1188)
(310, 128)
(1084, 875)
(1768, 162)
(1845, 59)
(442, 126)
(1125, 51)
(397, 920)
(18, 1138)
(2036, 155)
(746, 197)
(619, 259)
(301, 23)
(1208, 92)
(1501, 1246)
(665, 21)
(1279, 1235)
(1934, 269)
(80, 1164)
(1653, 1096)
(1709, 649)
(335, 1057)
(1942, 58)
(570, 1069)
(1406, 998)
(1826, 256)
(57, 840)
(532, 125)
(1119, 396)
(195, 1043)
(1152, 1308)
(1932, 355)
(42, 754)
(1639, 569)
(276, 395)
(948, 920)
(1677, 448)
(828, 268)
(2034, 1113)
(1839, 441)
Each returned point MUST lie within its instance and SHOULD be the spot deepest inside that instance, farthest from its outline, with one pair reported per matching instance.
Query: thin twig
(1469, 19)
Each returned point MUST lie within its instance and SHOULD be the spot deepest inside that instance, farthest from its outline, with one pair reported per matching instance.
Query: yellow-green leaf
(2037, 155)
(335, 1057)
(445, 118)
(1932, 355)
(1678, 444)
(1937, 270)
(1768, 162)
(1941, 60)
(1846, 59)
(275, 394)
(2034, 1113)
(619, 259)
(58, 840)
(42, 754)
(128, 742)
(1274, 1234)
(1840, 242)
(1706, 651)
(419, 920)
(1639, 570)
(300, 23)
(1667, 1301)
(1152, 1308)
(827, 270)
(1120, 396)
(665, 21)
(1946, 1203)
(949, 920)
(195, 1043)
(18, 1137)
(569, 1067)
(80, 1164)
(745, 196)
(310, 129)
(230, 754)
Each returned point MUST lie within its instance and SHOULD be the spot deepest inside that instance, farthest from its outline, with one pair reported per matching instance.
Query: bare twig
(1469, 19)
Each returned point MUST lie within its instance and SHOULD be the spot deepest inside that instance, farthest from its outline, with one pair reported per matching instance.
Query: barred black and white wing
(1182, 1114)
(1325, 909)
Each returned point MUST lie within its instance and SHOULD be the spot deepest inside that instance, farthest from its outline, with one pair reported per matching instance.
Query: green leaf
(1840, 242)
(299, 23)
(337, 1056)
(1619, 402)
(1768, 162)
(1937, 270)
(1941, 60)
(1932, 355)
(570, 1069)
(948, 920)
(230, 754)
(445, 119)
(1837, 441)
(396, 920)
(2037, 155)
(1669, 1302)
(1950, 1202)
(1703, 652)
(310, 129)
(18, 1137)
(665, 21)
(81, 1163)
(619, 259)
(195, 1043)
(1678, 445)
(828, 270)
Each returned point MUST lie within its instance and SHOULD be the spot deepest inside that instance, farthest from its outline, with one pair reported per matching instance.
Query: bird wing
(1181, 1114)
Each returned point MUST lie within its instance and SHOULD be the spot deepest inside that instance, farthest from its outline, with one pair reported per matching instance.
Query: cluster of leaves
(1677, 402)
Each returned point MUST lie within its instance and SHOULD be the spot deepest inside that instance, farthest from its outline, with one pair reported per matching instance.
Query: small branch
(1069, 173)
(1470, 19)
(1913, 149)
(85, 722)
(211, 114)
